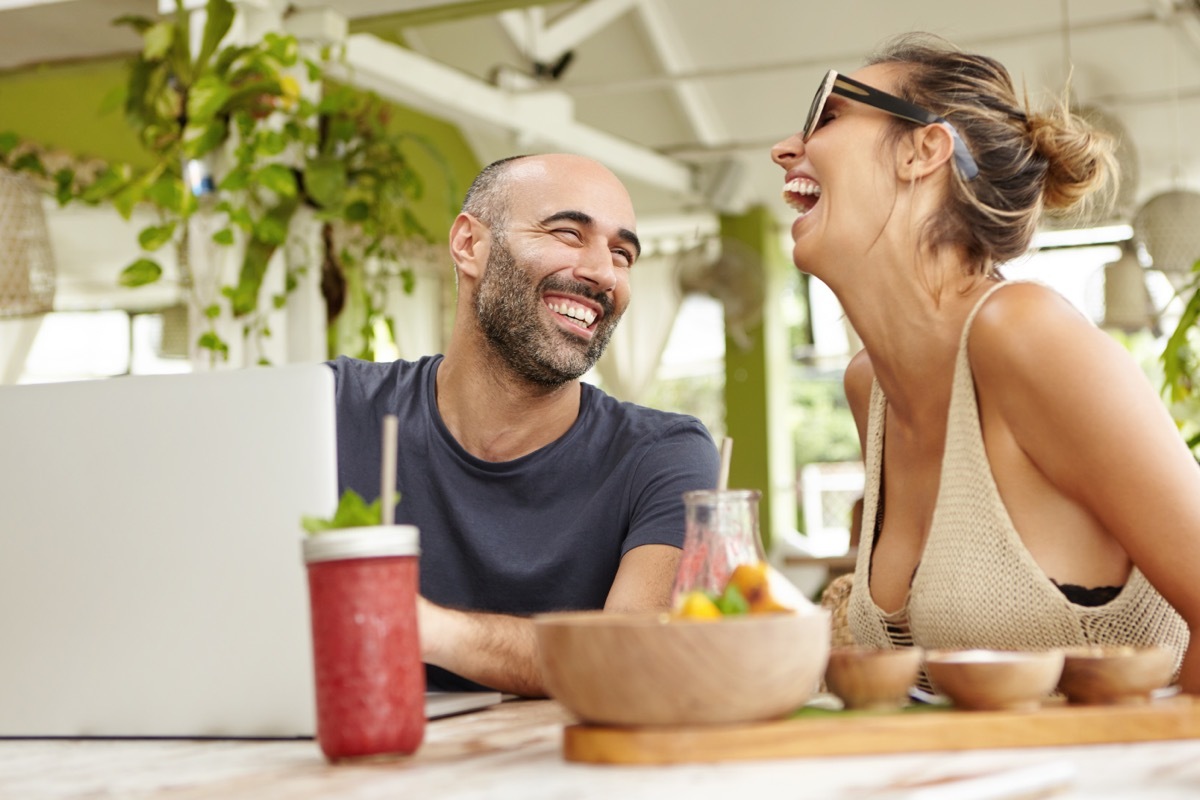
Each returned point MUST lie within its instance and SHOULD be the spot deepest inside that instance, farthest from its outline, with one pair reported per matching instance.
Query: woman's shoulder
(1022, 323)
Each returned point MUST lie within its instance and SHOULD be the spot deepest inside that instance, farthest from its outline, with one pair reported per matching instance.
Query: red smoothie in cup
(370, 682)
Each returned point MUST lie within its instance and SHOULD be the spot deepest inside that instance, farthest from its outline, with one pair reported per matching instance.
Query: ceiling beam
(547, 43)
(536, 120)
(675, 58)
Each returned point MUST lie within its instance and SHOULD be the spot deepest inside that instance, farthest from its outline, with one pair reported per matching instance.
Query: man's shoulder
(618, 415)
(347, 369)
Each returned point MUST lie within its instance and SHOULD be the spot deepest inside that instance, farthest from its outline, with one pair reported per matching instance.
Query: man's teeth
(584, 315)
(796, 188)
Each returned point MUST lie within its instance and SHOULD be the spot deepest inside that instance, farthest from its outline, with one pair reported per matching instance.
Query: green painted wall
(59, 106)
(755, 386)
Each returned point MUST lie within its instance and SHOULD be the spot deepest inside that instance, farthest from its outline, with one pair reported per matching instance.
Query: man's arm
(496, 650)
(500, 651)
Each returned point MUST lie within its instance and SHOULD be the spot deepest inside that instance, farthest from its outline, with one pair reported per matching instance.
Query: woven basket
(26, 262)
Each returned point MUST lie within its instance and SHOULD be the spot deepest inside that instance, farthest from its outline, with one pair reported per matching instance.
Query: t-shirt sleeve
(683, 459)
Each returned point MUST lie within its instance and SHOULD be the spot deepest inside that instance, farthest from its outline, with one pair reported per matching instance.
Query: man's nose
(597, 268)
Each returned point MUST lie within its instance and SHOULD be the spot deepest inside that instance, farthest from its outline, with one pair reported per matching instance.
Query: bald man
(533, 492)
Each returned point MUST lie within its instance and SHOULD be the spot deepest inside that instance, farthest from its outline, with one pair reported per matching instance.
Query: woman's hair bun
(1079, 160)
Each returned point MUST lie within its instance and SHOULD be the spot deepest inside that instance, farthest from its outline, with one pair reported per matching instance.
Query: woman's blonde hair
(1027, 161)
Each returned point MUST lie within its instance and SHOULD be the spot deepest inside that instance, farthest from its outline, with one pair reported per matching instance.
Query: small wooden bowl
(868, 678)
(994, 680)
(1111, 675)
(617, 668)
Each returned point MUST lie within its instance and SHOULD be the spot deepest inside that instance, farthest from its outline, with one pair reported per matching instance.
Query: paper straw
(726, 455)
(391, 427)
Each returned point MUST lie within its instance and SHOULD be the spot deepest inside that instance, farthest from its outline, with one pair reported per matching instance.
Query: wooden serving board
(856, 732)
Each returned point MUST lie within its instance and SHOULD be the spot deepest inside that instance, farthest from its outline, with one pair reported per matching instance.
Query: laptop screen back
(151, 581)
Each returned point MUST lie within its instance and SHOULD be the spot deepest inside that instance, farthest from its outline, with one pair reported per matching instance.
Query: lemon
(698, 605)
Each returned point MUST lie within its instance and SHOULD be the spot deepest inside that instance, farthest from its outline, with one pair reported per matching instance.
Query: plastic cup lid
(372, 542)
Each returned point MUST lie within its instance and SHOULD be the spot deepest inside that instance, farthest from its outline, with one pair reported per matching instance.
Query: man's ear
(924, 151)
(470, 242)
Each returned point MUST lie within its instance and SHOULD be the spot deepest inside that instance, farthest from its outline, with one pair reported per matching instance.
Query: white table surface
(514, 750)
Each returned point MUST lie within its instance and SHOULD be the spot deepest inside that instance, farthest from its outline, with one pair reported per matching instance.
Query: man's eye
(569, 232)
(624, 255)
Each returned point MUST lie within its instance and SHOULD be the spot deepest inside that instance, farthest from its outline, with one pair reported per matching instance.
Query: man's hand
(500, 651)
(496, 650)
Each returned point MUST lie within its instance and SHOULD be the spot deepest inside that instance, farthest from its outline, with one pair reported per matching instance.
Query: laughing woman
(1026, 488)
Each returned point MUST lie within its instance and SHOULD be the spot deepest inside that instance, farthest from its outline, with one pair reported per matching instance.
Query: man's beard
(510, 313)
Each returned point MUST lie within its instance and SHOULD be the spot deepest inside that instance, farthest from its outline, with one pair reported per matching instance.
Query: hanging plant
(231, 137)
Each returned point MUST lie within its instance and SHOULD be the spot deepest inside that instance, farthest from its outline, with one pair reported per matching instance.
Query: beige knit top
(976, 585)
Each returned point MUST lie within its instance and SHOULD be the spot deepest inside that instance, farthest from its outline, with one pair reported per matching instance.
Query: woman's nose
(787, 151)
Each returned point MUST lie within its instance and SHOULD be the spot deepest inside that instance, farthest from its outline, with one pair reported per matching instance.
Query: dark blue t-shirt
(543, 532)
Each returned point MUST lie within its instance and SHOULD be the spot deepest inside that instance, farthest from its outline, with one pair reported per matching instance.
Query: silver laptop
(151, 582)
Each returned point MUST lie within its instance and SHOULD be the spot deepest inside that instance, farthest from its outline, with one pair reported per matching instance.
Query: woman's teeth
(801, 194)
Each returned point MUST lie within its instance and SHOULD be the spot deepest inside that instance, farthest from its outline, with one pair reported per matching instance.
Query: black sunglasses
(835, 83)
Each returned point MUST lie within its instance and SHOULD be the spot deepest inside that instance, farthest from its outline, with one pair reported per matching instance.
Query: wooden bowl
(994, 680)
(649, 668)
(867, 678)
(1112, 675)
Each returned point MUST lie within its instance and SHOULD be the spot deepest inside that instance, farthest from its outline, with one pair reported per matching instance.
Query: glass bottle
(721, 532)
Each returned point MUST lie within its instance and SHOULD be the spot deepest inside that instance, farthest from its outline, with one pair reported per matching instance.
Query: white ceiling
(684, 97)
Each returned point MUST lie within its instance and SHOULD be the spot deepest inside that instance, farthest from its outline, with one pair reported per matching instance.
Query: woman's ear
(470, 240)
(925, 150)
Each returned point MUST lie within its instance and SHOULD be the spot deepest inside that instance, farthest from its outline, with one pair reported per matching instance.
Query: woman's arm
(1089, 420)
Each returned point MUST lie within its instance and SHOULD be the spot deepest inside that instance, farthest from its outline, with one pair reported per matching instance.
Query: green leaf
(732, 601)
(206, 98)
(218, 19)
(352, 512)
(278, 178)
(212, 311)
(272, 143)
(107, 183)
(114, 99)
(271, 230)
(139, 23)
(166, 193)
(241, 217)
(155, 236)
(198, 141)
(325, 181)
(235, 180)
(358, 211)
(28, 162)
(8, 142)
(1176, 354)
(223, 237)
(210, 341)
(128, 197)
(64, 186)
(157, 40)
(313, 70)
(284, 49)
(140, 273)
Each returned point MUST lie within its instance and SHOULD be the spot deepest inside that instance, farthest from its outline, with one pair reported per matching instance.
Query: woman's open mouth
(801, 194)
